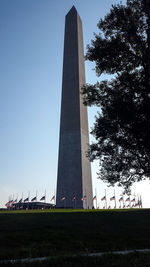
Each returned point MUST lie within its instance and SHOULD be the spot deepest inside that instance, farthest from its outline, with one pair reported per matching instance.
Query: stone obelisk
(74, 183)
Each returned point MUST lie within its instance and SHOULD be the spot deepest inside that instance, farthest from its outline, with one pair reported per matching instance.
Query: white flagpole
(115, 199)
(36, 195)
(134, 199)
(130, 201)
(105, 200)
(141, 201)
(123, 199)
(85, 199)
(28, 198)
(96, 197)
(54, 197)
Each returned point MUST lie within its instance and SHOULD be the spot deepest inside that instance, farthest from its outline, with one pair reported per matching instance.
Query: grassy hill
(67, 232)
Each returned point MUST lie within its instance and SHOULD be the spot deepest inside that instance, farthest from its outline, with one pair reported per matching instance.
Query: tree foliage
(122, 128)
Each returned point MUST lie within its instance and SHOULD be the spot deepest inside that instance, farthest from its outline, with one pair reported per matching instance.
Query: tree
(122, 127)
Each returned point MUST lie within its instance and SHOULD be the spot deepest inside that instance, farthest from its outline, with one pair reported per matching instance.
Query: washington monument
(74, 183)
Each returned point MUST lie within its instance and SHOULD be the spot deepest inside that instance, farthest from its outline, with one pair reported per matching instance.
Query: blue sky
(31, 57)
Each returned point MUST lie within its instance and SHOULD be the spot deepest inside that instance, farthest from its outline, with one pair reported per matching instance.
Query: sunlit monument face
(74, 183)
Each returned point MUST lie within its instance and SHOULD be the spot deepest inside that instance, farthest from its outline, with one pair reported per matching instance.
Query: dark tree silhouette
(122, 128)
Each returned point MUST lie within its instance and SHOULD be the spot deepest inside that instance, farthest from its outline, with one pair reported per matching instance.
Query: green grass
(66, 232)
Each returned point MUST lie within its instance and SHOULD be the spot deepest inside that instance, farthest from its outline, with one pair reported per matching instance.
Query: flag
(7, 204)
(124, 206)
(109, 207)
(112, 198)
(103, 198)
(20, 200)
(73, 198)
(34, 198)
(94, 198)
(83, 198)
(128, 199)
(63, 198)
(26, 199)
(133, 199)
(15, 200)
(42, 198)
(128, 206)
(53, 198)
(120, 199)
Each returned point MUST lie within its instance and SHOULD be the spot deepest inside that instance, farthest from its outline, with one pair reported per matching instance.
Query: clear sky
(31, 57)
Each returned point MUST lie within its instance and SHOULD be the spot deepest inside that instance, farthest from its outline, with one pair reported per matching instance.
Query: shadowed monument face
(74, 183)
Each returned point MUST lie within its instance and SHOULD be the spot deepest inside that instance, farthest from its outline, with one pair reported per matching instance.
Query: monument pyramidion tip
(72, 10)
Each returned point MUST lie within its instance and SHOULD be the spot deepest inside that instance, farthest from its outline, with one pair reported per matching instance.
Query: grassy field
(64, 232)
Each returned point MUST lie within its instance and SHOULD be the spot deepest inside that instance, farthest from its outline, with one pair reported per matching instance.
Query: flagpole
(28, 198)
(134, 199)
(130, 201)
(64, 201)
(22, 197)
(105, 200)
(54, 198)
(141, 201)
(96, 197)
(9, 201)
(75, 201)
(86, 199)
(45, 195)
(123, 200)
(115, 199)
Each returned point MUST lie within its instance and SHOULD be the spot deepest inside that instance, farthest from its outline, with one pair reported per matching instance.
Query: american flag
(73, 198)
(83, 198)
(103, 198)
(94, 198)
(34, 198)
(128, 199)
(9, 203)
(26, 199)
(42, 198)
(53, 198)
(112, 198)
(133, 199)
(63, 198)
(120, 199)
